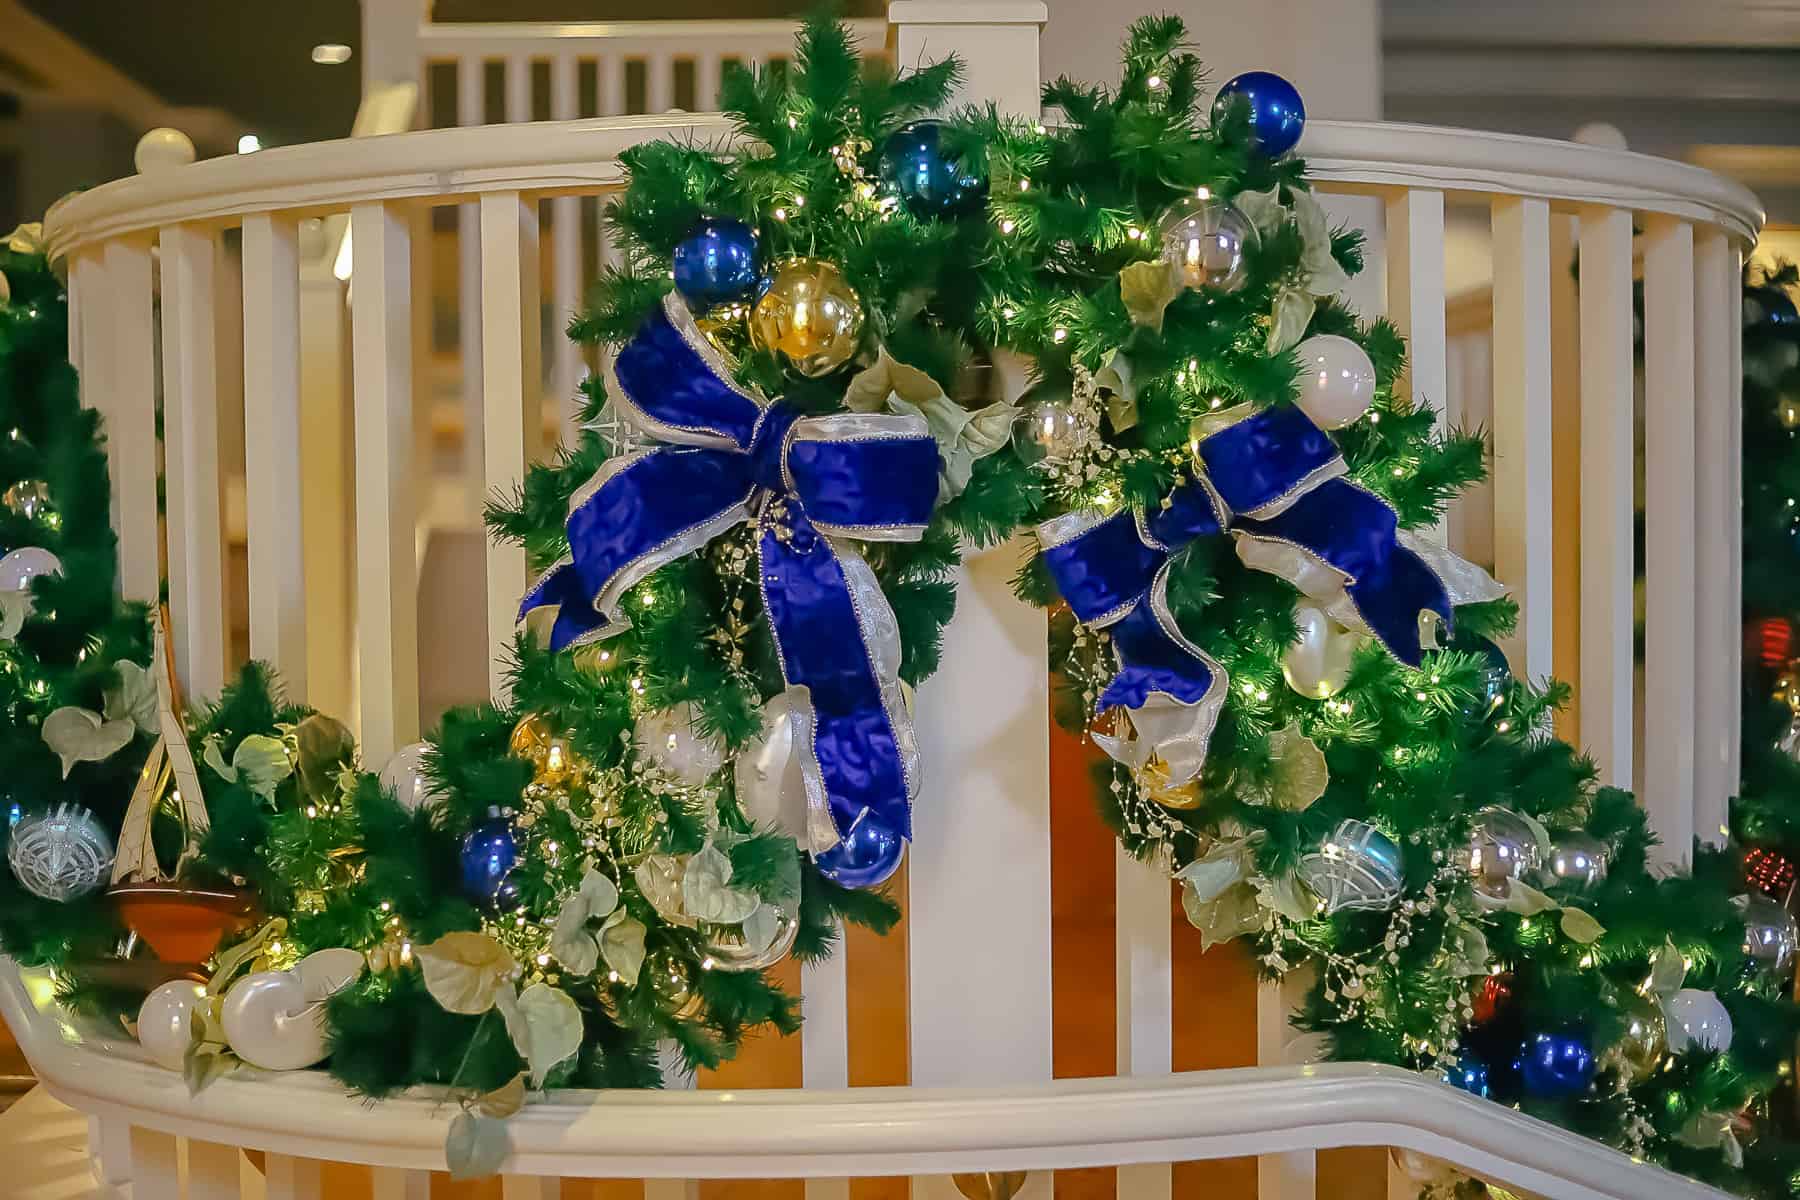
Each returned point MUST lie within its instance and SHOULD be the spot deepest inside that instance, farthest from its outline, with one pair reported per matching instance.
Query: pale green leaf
(14, 608)
(503, 1101)
(133, 698)
(1526, 900)
(1292, 313)
(464, 971)
(77, 735)
(705, 890)
(262, 762)
(544, 1024)
(760, 928)
(622, 945)
(1147, 288)
(1264, 209)
(213, 755)
(476, 1146)
(1580, 926)
(1668, 971)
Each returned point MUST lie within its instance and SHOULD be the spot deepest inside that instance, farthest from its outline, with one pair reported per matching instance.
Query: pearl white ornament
(1697, 1020)
(270, 1023)
(1317, 663)
(1337, 380)
(61, 854)
(668, 739)
(404, 775)
(771, 788)
(165, 1022)
(161, 149)
(19, 567)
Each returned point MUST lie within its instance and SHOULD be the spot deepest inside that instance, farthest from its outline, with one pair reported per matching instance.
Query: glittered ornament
(404, 776)
(716, 262)
(1336, 383)
(672, 983)
(867, 856)
(1770, 935)
(1502, 847)
(810, 315)
(1317, 662)
(490, 851)
(1696, 1020)
(1556, 1065)
(19, 567)
(1576, 860)
(28, 498)
(1206, 242)
(1640, 1050)
(1769, 309)
(1469, 1073)
(1357, 867)
(1277, 115)
(670, 739)
(928, 182)
(1494, 994)
(61, 854)
(1046, 431)
(1770, 872)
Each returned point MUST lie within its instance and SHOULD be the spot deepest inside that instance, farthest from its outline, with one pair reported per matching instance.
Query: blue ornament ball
(490, 851)
(1470, 1074)
(928, 183)
(1556, 1065)
(1769, 309)
(717, 262)
(1276, 114)
(866, 856)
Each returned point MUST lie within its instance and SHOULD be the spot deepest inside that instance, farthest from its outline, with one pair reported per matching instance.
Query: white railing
(977, 999)
(141, 1113)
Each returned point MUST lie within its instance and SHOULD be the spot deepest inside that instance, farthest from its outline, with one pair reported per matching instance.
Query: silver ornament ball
(729, 950)
(1770, 935)
(404, 775)
(61, 854)
(1502, 847)
(1205, 241)
(1046, 432)
(1576, 860)
(19, 567)
(1696, 1020)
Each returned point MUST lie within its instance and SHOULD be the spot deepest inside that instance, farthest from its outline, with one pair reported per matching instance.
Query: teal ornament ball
(928, 183)
(1358, 867)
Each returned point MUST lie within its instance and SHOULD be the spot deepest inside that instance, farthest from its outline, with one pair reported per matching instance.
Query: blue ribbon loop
(1274, 481)
(729, 456)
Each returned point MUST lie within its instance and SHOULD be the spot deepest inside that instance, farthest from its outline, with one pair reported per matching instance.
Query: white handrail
(495, 39)
(574, 155)
(806, 1133)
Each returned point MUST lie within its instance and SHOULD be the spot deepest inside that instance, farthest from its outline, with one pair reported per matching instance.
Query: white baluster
(512, 403)
(1144, 987)
(155, 1166)
(386, 553)
(1294, 1175)
(1669, 632)
(1608, 438)
(660, 96)
(291, 1178)
(1415, 283)
(529, 1187)
(1523, 512)
(398, 1183)
(707, 68)
(1734, 491)
(1716, 616)
(131, 416)
(94, 361)
(74, 291)
(565, 218)
(326, 456)
(276, 514)
(611, 85)
(191, 442)
(470, 110)
(212, 1171)
(109, 1150)
(518, 88)
(825, 1041)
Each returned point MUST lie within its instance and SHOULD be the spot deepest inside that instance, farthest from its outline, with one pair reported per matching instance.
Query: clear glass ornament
(1046, 432)
(1357, 867)
(1207, 241)
(1770, 935)
(61, 854)
(669, 739)
(1576, 859)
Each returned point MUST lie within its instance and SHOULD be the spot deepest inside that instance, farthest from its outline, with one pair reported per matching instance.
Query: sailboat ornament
(181, 923)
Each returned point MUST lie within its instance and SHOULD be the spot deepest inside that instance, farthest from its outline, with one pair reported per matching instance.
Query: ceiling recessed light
(249, 144)
(331, 53)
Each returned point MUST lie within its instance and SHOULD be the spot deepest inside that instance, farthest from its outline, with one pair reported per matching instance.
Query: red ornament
(1495, 993)
(1770, 640)
(1770, 872)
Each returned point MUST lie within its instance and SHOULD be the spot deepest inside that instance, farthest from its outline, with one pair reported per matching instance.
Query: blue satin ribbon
(731, 456)
(1274, 477)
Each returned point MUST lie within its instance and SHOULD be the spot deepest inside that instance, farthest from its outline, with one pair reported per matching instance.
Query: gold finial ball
(161, 149)
(811, 315)
(536, 740)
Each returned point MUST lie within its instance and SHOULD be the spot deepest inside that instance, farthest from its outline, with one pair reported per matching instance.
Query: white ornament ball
(271, 1023)
(163, 148)
(1317, 663)
(19, 567)
(1697, 1020)
(61, 854)
(1337, 380)
(669, 739)
(404, 775)
(165, 1022)
(771, 789)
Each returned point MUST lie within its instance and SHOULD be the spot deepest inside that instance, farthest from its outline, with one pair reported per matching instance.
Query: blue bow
(1273, 480)
(731, 456)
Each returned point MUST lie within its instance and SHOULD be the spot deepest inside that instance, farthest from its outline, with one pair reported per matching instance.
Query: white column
(1717, 620)
(470, 110)
(1608, 513)
(155, 1166)
(397, 1183)
(291, 1178)
(1669, 532)
(1523, 512)
(565, 219)
(1294, 1175)
(390, 41)
(1144, 1017)
(1415, 302)
(212, 1171)
(131, 417)
(825, 1041)
(326, 459)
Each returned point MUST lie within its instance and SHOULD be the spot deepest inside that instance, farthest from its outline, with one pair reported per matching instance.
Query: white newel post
(979, 880)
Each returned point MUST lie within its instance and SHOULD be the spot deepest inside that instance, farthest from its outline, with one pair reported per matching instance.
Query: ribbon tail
(577, 622)
(1172, 689)
(837, 637)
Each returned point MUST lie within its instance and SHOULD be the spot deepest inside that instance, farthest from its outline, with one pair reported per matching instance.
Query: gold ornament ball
(1318, 662)
(1788, 409)
(809, 314)
(672, 982)
(535, 740)
(1640, 1051)
(597, 658)
(29, 498)
(1153, 778)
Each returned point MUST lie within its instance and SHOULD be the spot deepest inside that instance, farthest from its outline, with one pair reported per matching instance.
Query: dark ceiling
(253, 58)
